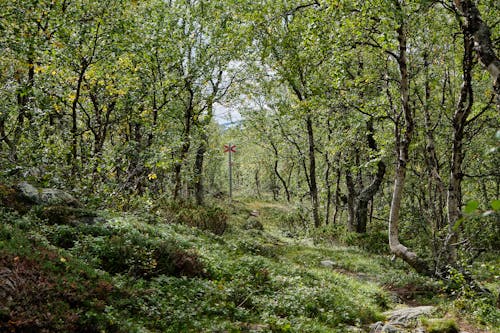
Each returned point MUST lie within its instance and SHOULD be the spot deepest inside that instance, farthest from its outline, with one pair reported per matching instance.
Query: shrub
(65, 215)
(440, 326)
(46, 294)
(63, 236)
(209, 218)
(141, 256)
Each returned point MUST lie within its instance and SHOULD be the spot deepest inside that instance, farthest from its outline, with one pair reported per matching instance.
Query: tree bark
(276, 170)
(403, 140)
(186, 142)
(312, 172)
(198, 169)
(74, 118)
(459, 122)
(358, 199)
(482, 42)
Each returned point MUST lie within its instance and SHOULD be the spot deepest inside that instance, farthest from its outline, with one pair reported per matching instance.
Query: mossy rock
(64, 215)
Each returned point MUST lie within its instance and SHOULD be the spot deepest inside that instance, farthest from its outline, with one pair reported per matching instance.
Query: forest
(249, 166)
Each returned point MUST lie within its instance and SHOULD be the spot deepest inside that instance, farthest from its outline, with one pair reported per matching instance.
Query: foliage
(123, 104)
(441, 326)
(211, 218)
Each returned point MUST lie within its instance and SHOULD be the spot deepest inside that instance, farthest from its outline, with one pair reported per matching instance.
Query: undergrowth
(160, 270)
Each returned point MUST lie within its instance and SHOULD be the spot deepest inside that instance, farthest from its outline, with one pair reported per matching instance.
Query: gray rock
(28, 192)
(380, 327)
(388, 328)
(45, 196)
(377, 327)
(51, 196)
(328, 263)
(407, 316)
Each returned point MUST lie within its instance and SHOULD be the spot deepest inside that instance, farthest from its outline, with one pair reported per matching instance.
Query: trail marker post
(230, 149)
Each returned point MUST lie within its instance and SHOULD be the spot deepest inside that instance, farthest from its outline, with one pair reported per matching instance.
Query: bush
(63, 236)
(440, 326)
(65, 215)
(209, 218)
(141, 256)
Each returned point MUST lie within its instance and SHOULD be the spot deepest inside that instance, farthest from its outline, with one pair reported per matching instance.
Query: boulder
(23, 196)
(402, 320)
(45, 196)
(27, 192)
(51, 196)
(407, 316)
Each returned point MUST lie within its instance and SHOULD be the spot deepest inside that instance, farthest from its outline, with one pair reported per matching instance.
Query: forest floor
(138, 272)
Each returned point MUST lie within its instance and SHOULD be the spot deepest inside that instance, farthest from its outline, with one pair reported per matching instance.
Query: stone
(388, 328)
(45, 196)
(28, 192)
(377, 327)
(380, 327)
(254, 213)
(407, 316)
(328, 263)
(51, 196)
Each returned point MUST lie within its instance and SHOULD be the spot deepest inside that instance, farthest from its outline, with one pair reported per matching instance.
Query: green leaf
(471, 207)
(495, 204)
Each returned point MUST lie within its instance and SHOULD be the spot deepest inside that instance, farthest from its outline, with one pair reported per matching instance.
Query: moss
(440, 326)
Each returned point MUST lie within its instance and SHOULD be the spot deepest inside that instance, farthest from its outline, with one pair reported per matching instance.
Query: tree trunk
(434, 193)
(482, 42)
(186, 143)
(198, 169)
(403, 140)
(351, 201)
(459, 121)
(337, 196)
(276, 171)
(366, 195)
(74, 119)
(358, 200)
(312, 172)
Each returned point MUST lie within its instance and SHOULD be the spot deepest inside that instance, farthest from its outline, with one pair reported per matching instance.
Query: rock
(28, 192)
(254, 213)
(380, 327)
(51, 196)
(377, 327)
(45, 196)
(407, 316)
(328, 263)
(388, 328)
